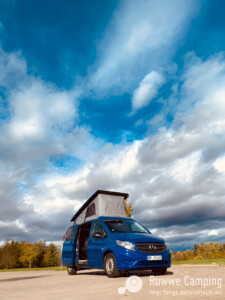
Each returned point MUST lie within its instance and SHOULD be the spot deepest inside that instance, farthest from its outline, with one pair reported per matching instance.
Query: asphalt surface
(180, 282)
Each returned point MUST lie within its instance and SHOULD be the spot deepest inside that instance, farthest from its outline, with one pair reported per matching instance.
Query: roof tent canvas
(101, 203)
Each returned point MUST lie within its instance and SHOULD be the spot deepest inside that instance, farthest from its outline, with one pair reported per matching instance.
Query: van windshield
(125, 226)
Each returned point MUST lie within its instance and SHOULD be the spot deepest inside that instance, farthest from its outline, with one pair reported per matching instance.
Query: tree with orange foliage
(128, 208)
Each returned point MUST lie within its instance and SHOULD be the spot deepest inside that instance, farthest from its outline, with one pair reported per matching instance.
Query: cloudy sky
(126, 96)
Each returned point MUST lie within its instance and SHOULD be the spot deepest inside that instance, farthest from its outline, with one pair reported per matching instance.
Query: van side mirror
(97, 235)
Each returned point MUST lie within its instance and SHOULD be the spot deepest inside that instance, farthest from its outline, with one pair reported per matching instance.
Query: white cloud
(212, 232)
(141, 37)
(219, 164)
(202, 106)
(147, 90)
(36, 108)
(183, 169)
(13, 68)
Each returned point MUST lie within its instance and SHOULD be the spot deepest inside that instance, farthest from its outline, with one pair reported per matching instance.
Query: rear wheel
(72, 270)
(111, 266)
(159, 270)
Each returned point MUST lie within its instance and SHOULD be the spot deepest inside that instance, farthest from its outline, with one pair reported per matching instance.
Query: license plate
(155, 257)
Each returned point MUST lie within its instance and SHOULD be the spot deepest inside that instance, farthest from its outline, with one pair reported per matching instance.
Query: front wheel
(72, 270)
(111, 266)
(159, 270)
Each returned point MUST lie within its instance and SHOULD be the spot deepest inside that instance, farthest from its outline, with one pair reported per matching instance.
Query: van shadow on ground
(123, 274)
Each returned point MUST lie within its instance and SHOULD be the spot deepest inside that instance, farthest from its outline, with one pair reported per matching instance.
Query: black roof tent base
(86, 204)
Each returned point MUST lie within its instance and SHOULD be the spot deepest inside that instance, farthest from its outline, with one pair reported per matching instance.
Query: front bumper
(127, 259)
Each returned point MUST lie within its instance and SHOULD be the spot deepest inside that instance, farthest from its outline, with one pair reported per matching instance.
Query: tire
(159, 270)
(110, 266)
(72, 270)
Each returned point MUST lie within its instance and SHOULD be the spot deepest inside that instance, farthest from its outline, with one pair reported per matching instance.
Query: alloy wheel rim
(110, 265)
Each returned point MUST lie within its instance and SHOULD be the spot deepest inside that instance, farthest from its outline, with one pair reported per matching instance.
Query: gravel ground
(180, 282)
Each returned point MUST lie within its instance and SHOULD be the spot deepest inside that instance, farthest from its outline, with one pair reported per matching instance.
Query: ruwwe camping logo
(134, 283)
(187, 281)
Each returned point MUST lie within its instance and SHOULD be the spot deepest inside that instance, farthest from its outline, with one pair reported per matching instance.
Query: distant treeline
(209, 250)
(34, 255)
(26, 254)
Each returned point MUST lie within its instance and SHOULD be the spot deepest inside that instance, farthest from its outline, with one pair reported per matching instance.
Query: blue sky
(117, 95)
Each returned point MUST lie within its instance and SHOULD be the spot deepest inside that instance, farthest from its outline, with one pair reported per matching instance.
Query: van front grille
(151, 247)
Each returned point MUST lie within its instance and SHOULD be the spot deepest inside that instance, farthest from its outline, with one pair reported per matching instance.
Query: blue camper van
(103, 237)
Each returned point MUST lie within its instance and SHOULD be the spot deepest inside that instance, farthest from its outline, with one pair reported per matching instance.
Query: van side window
(97, 227)
(70, 234)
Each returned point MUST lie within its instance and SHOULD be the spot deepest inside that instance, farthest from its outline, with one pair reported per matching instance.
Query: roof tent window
(90, 210)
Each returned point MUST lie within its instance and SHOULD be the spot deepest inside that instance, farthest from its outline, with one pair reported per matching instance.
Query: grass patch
(34, 269)
(218, 261)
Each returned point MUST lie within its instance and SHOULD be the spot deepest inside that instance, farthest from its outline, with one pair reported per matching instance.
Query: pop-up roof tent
(101, 203)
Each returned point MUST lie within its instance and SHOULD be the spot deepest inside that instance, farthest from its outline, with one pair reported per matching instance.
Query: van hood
(137, 237)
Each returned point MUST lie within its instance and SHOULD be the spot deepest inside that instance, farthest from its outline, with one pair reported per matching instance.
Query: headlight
(126, 245)
(166, 247)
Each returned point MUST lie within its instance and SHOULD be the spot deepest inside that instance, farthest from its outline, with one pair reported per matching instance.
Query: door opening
(84, 232)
